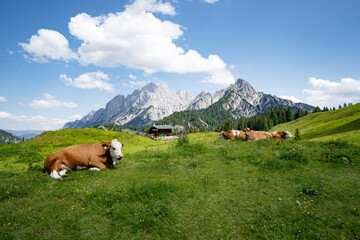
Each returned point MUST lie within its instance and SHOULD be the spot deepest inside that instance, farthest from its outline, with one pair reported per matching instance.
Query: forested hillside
(329, 123)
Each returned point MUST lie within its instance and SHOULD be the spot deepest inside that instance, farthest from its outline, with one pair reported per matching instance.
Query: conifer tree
(297, 134)
(289, 115)
(281, 115)
(300, 113)
(317, 109)
(274, 116)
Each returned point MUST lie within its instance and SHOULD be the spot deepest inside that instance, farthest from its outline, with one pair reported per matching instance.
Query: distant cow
(232, 134)
(279, 135)
(95, 156)
(252, 135)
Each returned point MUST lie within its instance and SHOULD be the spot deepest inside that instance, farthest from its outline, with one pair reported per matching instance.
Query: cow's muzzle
(120, 157)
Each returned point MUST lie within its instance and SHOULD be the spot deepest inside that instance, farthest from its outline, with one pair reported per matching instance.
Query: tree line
(270, 118)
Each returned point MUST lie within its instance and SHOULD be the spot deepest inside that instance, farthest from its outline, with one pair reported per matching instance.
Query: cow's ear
(105, 146)
(122, 145)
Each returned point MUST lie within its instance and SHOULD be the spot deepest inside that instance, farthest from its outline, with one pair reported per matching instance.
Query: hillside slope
(205, 188)
(324, 124)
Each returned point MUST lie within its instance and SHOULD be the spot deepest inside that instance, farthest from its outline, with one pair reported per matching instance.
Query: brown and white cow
(283, 135)
(95, 156)
(252, 135)
(232, 134)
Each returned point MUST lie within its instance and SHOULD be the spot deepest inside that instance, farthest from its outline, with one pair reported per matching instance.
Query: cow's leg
(97, 164)
(55, 175)
(63, 170)
(94, 169)
(81, 168)
(55, 169)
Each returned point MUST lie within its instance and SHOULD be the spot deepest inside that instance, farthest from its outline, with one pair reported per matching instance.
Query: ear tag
(105, 147)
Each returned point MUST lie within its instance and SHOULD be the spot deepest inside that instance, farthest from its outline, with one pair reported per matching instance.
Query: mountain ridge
(155, 101)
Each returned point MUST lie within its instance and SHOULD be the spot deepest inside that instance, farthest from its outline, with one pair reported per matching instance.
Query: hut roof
(163, 127)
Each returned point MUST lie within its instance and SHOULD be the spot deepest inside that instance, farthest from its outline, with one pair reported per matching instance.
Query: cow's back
(77, 155)
(258, 135)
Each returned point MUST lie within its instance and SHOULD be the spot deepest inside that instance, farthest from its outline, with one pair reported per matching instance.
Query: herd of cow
(100, 156)
(251, 135)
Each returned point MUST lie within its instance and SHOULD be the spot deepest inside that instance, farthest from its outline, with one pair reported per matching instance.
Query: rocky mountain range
(156, 101)
(6, 137)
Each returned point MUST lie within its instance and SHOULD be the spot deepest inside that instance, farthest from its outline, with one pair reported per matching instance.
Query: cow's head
(115, 150)
(221, 135)
(287, 135)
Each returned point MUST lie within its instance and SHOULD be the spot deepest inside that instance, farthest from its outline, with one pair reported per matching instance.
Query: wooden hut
(161, 130)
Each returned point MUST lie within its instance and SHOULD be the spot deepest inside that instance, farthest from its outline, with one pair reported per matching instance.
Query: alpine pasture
(196, 188)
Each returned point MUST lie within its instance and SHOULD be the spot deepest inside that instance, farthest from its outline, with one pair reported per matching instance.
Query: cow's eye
(114, 148)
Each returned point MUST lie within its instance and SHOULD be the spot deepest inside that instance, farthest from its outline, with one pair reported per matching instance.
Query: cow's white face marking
(115, 149)
(288, 135)
(221, 136)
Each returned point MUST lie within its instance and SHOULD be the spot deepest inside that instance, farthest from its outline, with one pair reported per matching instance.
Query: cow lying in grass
(260, 135)
(283, 135)
(95, 156)
(252, 135)
(232, 134)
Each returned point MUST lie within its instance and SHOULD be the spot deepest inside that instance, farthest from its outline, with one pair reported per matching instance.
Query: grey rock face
(155, 101)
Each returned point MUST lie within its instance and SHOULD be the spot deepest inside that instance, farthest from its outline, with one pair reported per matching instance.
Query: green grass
(204, 189)
(325, 124)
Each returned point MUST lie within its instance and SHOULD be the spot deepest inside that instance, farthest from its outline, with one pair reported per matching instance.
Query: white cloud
(89, 80)
(50, 101)
(48, 45)
(139, 6)
(138, 83)
(132, 77)
(2, 99)
(210, 1)
(44, 123)
(223, 77)
(9, 52)
(327, 93)
(135, 38)
(291, 98)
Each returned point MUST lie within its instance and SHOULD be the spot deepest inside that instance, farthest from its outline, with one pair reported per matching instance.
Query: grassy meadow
(197, 188)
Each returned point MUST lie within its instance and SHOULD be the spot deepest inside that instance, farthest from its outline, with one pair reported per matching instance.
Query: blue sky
(61, 60)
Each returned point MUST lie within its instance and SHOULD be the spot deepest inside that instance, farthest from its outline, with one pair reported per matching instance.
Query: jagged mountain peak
(152, 87)
(156, 101)
(243, 85)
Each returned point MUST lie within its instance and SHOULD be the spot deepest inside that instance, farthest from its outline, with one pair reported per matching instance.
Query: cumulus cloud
(44, 123)
(48, 45)
(291, 98)
(327, 93)
(2, 99)
(134, 38)
(139, 6)
(89, 80)
(50, 101)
